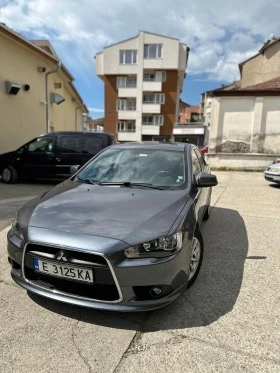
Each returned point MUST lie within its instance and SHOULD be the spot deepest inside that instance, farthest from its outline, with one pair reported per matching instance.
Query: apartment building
(143, 78)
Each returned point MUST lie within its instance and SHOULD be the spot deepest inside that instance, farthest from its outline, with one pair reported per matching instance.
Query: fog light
(155, 292)
(151, 292)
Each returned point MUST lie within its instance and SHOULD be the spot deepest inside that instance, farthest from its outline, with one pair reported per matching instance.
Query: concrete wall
(239, 162)
(245, 125)
(23, 116)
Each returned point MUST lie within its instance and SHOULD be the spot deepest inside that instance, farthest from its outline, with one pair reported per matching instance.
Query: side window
(200, 158)
(94, 144)
(195, 163)
(41, 145)
(70, 144)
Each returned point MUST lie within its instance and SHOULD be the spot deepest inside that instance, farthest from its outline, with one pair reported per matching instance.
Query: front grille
(91, 291)
(51, 252)
(102, 289)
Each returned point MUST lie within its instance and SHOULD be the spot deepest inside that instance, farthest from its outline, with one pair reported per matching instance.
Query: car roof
(175, 146)
(73, 133)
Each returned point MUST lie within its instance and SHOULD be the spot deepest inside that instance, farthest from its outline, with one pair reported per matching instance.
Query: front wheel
(196, 256)
(206, 213)
(9, 175)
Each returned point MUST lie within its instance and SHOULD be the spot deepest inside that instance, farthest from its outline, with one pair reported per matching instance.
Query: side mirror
(206, 180)
(75, 168)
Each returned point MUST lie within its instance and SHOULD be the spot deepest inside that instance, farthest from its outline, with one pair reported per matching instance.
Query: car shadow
(276, 186)
(212, 296)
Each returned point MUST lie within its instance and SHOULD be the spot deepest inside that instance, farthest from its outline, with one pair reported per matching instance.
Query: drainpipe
(47, 94)
(76, 109)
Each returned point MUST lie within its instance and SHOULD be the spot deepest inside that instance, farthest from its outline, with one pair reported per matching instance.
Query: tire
(206, 213)
(9, 175)
(196, 256)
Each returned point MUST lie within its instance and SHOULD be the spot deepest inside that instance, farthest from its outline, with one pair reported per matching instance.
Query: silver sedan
(272, 173)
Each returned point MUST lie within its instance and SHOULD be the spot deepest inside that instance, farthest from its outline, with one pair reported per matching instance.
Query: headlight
(16, 229)
(160, 247)
(274, 170)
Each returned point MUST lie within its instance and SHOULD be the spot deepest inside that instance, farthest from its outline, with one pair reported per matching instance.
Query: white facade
(141, 66)
(245, 125)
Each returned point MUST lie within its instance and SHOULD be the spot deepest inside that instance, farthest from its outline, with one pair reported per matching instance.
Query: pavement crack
(177, 338)
(135, 345)
(84, 359)
(224, 347)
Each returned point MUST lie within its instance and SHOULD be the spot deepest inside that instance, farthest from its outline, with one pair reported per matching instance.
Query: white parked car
(272, 173)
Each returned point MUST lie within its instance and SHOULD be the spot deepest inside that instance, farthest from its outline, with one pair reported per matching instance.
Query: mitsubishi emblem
(61, 256)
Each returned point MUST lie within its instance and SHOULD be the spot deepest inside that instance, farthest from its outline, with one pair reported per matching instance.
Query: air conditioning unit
(12, 88)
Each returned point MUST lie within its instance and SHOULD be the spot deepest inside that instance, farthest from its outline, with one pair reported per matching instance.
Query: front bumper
(272, 177)
(132, 278)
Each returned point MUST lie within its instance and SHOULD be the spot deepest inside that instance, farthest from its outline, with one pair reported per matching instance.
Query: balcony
(148, 129)
(127, 86)
(126, 108)
(127, 130)
(129, 136)
(151, 108)
(127, 92)
(152, 86)
(127, 114)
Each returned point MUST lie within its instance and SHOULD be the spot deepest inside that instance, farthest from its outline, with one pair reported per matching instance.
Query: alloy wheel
(6, 175)
(195, 257)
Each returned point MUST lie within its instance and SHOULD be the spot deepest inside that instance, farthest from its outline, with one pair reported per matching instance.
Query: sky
(220, 34)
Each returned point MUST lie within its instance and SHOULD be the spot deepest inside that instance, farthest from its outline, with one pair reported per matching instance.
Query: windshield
(162, 168)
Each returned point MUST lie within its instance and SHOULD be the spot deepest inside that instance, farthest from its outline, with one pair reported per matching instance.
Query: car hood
(7, 155)
(273, 165)
(132, 215)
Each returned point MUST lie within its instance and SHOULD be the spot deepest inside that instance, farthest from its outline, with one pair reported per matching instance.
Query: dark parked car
(123, 233)
(51, 156)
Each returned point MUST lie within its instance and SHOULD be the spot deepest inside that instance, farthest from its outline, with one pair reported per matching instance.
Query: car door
(36, 159)
(200, 196)
(206, 192)
(69, 154)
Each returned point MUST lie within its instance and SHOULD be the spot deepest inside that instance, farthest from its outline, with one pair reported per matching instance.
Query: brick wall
(111, 95)
(168, 110)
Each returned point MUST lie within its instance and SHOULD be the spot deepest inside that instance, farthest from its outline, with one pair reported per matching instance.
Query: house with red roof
(245, 115)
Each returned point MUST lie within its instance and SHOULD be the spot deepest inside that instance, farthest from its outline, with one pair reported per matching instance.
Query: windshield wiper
(88, 181)
(131, 185)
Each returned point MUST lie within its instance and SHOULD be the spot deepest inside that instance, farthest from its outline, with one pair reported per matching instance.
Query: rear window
(94, 144)
(83, 144)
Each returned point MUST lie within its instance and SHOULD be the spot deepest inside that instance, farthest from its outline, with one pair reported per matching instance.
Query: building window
(154, 98)
(157, 76)
(126, 104)
(57, 85)
(128, 56)
(126, 126)
(153, 51)
(126, 82)
(152, 120)
(121, 82)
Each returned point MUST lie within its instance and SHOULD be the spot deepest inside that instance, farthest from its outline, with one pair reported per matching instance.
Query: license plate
(62, 270)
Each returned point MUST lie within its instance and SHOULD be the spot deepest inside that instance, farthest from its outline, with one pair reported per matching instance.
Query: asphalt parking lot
(227, 322)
